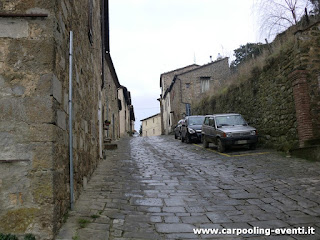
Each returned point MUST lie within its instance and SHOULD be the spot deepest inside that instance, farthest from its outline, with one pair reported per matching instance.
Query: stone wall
(112, 107)
(87, 100)
(186, 87)
(34, 134)
(281, 99)
(28, 92)
(165, 102)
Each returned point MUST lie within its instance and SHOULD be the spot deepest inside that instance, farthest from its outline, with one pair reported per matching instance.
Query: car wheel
(221, 147)
(205, 142)
(188, 140)
(252, 146)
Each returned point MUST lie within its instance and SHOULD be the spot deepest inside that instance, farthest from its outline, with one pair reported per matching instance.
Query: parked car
(177, 129)
(191, 129)
(225, 130)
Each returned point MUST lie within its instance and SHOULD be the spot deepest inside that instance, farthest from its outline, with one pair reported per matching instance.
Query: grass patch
(94, 216)
(83, 222)
(65, 217)
(75, 237)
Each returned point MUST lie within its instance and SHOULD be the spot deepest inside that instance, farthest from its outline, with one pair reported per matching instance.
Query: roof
(177, 75)
(112, 70)
(178, 69)
(126, 94)
(205, 65)
(150, 117)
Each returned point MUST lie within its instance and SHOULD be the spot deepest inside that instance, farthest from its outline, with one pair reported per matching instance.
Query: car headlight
(229, 134)
(191, 131)
(253, 132)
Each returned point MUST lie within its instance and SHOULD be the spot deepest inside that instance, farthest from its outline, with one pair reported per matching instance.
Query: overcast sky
(150, 37)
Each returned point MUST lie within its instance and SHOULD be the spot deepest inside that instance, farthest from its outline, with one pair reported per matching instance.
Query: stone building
(36, 190)
(165, 103)
(187, 85)
(151, 126)
(126, 112)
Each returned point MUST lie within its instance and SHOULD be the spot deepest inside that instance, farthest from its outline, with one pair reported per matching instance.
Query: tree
(316, 6)
(246, 52)
(278, 15)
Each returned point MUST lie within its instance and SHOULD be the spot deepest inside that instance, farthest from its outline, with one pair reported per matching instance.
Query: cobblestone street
(160, 188)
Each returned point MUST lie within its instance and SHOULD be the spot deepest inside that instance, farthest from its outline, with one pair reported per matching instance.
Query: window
(211, 122)
(205, 83)
(154, 132)
(153, 120)
(146, 122)
(206, 121)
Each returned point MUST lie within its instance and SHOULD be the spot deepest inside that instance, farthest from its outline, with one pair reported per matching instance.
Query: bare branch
(278, 15)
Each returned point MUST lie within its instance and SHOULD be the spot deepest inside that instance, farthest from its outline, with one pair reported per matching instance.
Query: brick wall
(302, 105)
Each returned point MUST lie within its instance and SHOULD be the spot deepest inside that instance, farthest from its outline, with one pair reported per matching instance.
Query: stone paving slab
(160, 188)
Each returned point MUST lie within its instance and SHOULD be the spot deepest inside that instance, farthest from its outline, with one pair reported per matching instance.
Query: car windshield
(231, 120)
(196, 120)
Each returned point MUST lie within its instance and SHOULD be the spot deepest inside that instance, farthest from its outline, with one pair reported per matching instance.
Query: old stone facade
(281, 99)
(34, 106)
(187, 85)
(165, 103)
(151, 126)
(126, 112)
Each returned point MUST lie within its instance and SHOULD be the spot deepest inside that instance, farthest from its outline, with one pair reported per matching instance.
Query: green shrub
(8, 237)
(29, 237)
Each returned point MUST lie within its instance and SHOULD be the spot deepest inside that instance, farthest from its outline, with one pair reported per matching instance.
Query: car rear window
(196, 120)
(231, 120)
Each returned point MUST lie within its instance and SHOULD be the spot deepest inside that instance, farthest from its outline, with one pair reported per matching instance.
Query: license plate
(242, 142)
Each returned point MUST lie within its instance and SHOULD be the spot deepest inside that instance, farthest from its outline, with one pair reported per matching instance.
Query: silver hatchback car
(225, 130)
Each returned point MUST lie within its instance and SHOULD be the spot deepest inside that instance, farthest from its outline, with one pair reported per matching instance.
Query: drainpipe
(70, 121)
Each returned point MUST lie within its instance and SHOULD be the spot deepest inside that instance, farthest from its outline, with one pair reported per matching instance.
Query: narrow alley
(160, 188)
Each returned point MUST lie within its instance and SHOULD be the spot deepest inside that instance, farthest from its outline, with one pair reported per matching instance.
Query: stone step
(110, 146)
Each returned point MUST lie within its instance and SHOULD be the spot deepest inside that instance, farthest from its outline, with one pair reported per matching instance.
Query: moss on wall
(266, 98)
(18, 220)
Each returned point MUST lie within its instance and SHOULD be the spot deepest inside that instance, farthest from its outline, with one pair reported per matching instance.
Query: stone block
(42, 187)
(18, 220)
(61, 119)
(22, 132)
(44, 85)
(39, 109)
(31, 56)
(28, 109)
(56, 89)
(13, 28)
(42, 156)
(66, 102)
(11, 150)
(174, 228)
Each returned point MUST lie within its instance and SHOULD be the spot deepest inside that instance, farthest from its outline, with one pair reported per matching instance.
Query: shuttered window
(205, 84)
